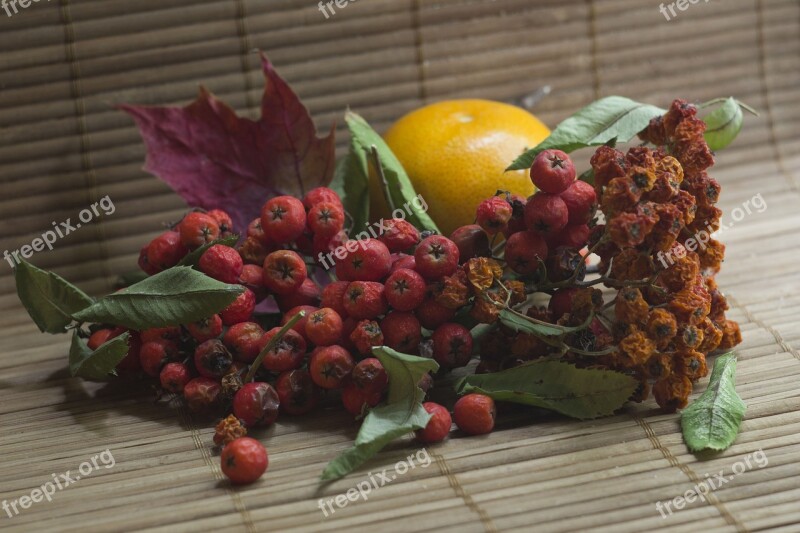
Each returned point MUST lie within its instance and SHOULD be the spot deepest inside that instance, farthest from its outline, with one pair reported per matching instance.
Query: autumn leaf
(213, 158)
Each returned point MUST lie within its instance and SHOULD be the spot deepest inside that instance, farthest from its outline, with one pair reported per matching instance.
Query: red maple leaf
(215, 159)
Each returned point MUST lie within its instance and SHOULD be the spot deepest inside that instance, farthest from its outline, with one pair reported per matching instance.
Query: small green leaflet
(179, 295)
(96, 365)
(193, 257)
(402, 413)
(610, 119)
(398, 188)
(724, 123)
(576, 392)
(50, 299)
(712, 421)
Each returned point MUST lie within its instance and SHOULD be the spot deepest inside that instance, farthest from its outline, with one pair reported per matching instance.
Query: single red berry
(244, 460)
(398, 234)
(333, 297)
(202, 394)
(212, 359)
(297, 392)
(283, 219)
(174, 377)
(300, 325)
(356, 400)
(493, 214)
(284, 271)
(405, 289)
(256, 231)
(223, 220)
(546, 213)
(330, 366)
(308, 294)
(402, 331)
(222, 263)
(474, 414)
(253, 252)
(436, 257)
(206, 329)
(130, 364)
(403, 261)
(517, 222)
(165, 251)
(243, 340)
(581, 200)
(197, 229)
(240, 310)
(169, 333)
(432, 314)
(561, 302)
(572, 236)
(100, 337)
(256, 404)
(366, 335)
(320, 195)
(552, 171)
(324, 327)
(471, 241)
(155, 354)
(365, 260)
(144, 263)
(252, 277)
(524, 250)
(438, 426)
(326, 219)
(370, 376)
(288, 354)
(452, 345)
(365, 299)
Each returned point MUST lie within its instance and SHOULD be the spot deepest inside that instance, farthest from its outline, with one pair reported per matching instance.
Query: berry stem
(251, 374)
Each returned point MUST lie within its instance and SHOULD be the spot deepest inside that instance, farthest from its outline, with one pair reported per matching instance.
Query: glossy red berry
(206, 329)
(284, 271)
(402, 331)
(581, 201)
(365, 299)
(333, 297)
(330, 366)
(243, 340)
(452, 345)
(202, 394)
(300, 325)
(288, 354)
(283, 219)
(546, 213)
(471, 241)
(403, 261)
(223, 220)
(365, 260)
(240, 310)
(552, 171)
(197, 229)
(256, 231)
(493, 214)
(326, 219)
(324, 327)
(222, 263)
(320, 195)
(366, 335)
(474, 414)
(436, 257)
(438, 426)
(405, 289)
(524, 251)
(100, 337)
(297, 392)
(212, 359)
(244, 460)
(256, 404)
(174, 377)
(398, 234)
(165, 251)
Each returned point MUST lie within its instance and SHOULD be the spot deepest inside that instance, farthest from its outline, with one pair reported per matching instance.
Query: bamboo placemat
(62, 147)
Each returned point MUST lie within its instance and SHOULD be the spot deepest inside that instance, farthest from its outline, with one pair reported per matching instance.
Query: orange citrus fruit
(455, 153)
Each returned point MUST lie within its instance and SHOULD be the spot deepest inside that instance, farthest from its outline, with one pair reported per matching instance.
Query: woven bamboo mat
(63, 65)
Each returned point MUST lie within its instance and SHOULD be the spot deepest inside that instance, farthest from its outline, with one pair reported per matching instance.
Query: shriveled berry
(581, 200)
(333, 297)
(546, 213)
(524, 250)
(326, 219)
(320, 195)
(165, 251)
(244, 460)
(366, 335)
(256, 404)
(324, 327)
(297, 392)
(402, 331)
(438, 426)
(330, 366)
(436, 257)
(452, 345)
(222, 263)
(206, 329)
(365, 299)
(202, 394)
(471, 241)
(364, 260)
(474, 414)
(283, 219)
(243, 340)
(398, 234)
(284, 271)
(212, 359)
(370, 376)
(552, 171)
(197, 229)
(174, 377)
(405, 289)
(493, 214)
(307, 295)
(287, 354)
(240, 310)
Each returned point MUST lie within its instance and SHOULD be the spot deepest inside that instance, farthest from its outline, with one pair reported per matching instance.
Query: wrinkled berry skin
(256, 404)
(284, 271)
(370, 376)
(197, 229)
(438, 426)
(202, 394)
(581, 201)
(398, 235)
(405, 289)
(356, 400)
(475, 414)
(324, 327)
(222, 263)
(243, 341)
(297, 392)
(333, 297)
(524, 250)
(330, 366)
(366, 335)
(493, 214)
(436, 257)
(320, 195)
(363, 260)
(206, 329)
(174, 377)
(212, 359)
(283, 219)
(307, 295)
(326, 219)
(452, 345)
(240, 310)
(402, 331)
(471, 241)
(165, 251)
(244, 461)
(546, 213)
(365, 299)
(552, 171)
(287, 354)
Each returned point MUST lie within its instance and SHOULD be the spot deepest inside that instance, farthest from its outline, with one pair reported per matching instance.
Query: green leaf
(576, 392)
(402, 414)
(610, 119)
(179, 295)
(398, 189)
(351, 182)
(51, 300)
(96, 365)
(712, 421)
(191, 259)
(723, 124)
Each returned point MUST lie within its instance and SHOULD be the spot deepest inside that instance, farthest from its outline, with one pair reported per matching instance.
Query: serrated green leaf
(49, 299)
(398, 187)
(351, 182)
(402, 414)
(576, 392)
(610, 119)
(96, 365)
(179, 295)
(524, 324)
(712, 421)
(723, 124)
(192, 258)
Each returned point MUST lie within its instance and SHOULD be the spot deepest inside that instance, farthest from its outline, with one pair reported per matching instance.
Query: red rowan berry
(366, 335)
(398, 234)
(474, 414)
(370, 376)
(517, 222)
(287, 354)
(330, 366)
(552, 171)
(333, 297)
(197, 229)
(223, 220)
(256, 404)
(300, 325)
(403, 261)
(212, 359)
(471, 241)
(581, 200)
(222, 263)
(308, 294)
(365, 299)
(326, 246)
(297, 392)
(256, 231)
(244, 461)
(493, 214)
(401, 331)
(326, 219)
(432, 314)
(284, 271)
(155, 354)
(240, 310)
(320, 195)
(438, 426)
(452, 345)
(405, 289)
(253, 252)
(546, 213)
(243, 341)
(324, 327)
(572, 236)
(436, 256)
(202, 394)
(130, 363)
(165, 251)
(100, 337)
(363, 260)
(283, 219)
(169, 333)
(174, 377)
(524, 250)
(144, 263)
(252, 277)
(206, 329)
(356, 400)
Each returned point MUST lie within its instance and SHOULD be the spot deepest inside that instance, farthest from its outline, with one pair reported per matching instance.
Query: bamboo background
(66, 63)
